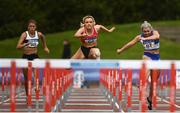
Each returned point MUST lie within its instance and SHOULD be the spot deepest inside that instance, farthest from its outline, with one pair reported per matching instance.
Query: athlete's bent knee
(96, 55)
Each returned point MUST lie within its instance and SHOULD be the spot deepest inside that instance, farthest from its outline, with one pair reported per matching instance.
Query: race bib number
(150, 45)
(33, 43)
(90, 40)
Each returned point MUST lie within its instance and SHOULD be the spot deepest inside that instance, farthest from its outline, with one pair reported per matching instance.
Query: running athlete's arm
(21, 43)
(129, 44)
(98, 27)
(80, 33)
(43, 39)
(153, 37)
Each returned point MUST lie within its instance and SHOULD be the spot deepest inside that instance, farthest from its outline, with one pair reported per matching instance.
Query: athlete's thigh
(144, 57)
(148, 72)
(95, 51)
(78, 55)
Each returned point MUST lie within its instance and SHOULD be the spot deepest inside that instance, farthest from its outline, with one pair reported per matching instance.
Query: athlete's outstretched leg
(148, 74)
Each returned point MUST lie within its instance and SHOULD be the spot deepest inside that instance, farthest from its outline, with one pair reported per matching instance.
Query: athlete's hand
(83, 35)
(112, 29)
(46, 50)
(25, 44)
(119, 51)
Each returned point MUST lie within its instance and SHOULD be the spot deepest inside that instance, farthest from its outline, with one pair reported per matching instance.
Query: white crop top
(32, 41)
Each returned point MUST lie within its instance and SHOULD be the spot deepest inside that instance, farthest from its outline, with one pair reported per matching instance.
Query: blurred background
(59, 20)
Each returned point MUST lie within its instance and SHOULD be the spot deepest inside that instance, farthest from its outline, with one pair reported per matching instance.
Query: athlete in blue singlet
(28, 42)
(88, 35)
(150, 41)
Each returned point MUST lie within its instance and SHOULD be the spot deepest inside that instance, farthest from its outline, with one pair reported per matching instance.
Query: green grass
(107, 42)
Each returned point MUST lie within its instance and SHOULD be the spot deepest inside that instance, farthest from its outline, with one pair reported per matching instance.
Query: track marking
(9, 98)
(169, 102)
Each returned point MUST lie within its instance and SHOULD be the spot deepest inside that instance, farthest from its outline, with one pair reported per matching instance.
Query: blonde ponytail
(81, 24)
(146, 24)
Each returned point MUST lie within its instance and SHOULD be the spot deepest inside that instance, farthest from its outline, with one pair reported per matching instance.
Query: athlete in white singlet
(28, 43)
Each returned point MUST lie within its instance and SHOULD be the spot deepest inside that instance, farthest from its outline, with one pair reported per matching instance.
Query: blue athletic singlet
(150, 44)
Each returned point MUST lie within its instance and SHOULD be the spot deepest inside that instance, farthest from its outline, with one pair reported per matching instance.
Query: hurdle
(125, 72)
(56, 80)
(115, 77)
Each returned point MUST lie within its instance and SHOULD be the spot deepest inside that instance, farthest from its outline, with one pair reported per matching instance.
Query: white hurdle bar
(61, 63)
(40, 63)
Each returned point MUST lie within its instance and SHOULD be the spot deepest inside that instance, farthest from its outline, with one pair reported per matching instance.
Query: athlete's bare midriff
(152, 51)
(88, 46)
(30, 50)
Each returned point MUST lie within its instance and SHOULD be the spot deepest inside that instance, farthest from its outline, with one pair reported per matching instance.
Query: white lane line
(86, 110)
(21, 96)
(169, 102)
(84, 100)
(116, 104)
(9, 98)
(24, 99)
(24, 103)
(97, 97)
(21, 110)
(118, 107)
(175, 97)
(88, 104)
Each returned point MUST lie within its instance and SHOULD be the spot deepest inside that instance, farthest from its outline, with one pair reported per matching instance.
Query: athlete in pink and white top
(88, 35)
